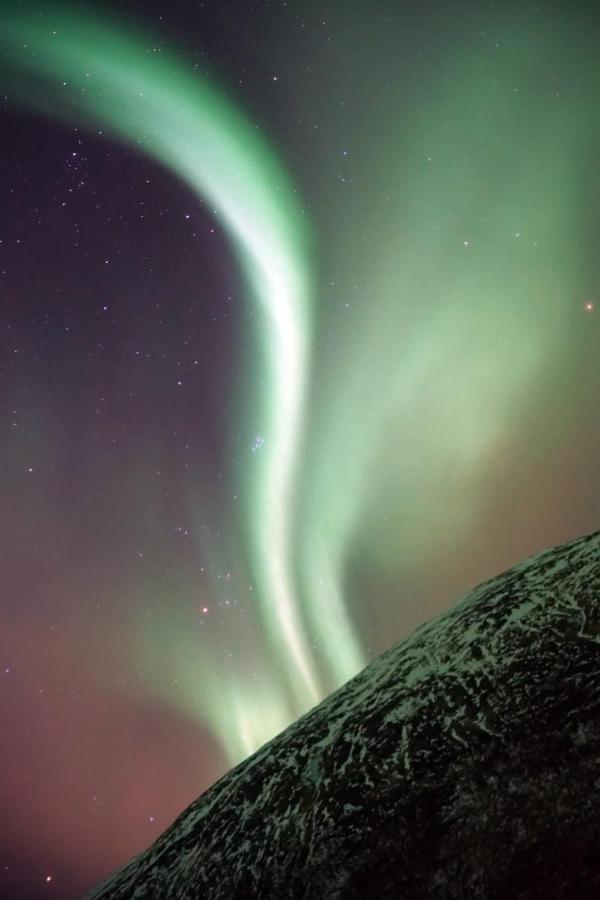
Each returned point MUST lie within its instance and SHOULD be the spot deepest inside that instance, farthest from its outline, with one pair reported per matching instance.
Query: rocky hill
(463, 763)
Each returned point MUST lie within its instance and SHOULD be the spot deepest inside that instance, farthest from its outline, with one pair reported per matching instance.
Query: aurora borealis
(299, 342)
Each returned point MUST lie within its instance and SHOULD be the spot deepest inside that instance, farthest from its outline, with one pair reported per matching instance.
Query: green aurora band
(465, 292)
(107, 77)
(380, 454)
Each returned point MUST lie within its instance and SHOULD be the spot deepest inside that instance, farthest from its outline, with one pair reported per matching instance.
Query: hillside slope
(462, 763)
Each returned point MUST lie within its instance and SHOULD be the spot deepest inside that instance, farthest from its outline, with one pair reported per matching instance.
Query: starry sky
(298, 342)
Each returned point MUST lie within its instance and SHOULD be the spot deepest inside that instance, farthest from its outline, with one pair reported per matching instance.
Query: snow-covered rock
(463, 763)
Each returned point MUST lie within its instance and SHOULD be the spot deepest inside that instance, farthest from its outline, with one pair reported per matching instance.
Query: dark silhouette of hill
(463, 763)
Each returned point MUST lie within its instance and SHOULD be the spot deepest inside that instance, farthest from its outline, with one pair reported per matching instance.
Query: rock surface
(463, 763)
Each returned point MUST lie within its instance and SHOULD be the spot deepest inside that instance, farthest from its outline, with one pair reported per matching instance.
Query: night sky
(299, 331)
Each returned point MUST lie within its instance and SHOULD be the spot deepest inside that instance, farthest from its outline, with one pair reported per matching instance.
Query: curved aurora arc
(467, 297)
(104, 76)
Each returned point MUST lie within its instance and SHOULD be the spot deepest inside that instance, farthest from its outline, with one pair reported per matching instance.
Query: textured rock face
(464, 763)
